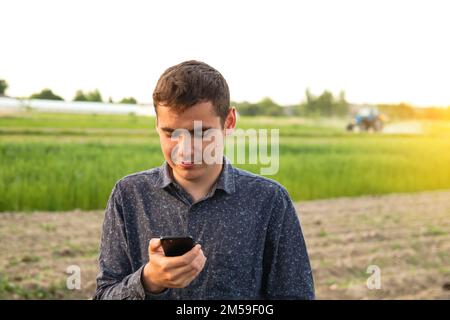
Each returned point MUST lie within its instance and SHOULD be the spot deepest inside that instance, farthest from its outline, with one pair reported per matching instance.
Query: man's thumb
(155, 243)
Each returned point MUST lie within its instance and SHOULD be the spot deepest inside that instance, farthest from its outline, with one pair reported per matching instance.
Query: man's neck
(198, 189)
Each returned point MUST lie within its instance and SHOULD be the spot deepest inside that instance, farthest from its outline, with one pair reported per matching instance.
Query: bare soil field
(406, 236)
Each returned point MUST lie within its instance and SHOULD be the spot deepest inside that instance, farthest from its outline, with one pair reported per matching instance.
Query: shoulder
(252, 183)
(137, 180)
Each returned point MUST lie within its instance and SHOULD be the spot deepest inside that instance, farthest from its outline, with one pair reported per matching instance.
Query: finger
(187, 258)
(190, 276)
(193, 253)
(185, 280)
(155, 245)
(187, 277)
(202, 263)
(196, 265)
(199, 262)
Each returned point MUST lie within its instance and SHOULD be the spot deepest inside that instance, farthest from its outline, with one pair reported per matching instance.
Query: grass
(435, 231)
(9, 289)
(61, 176)
(61, 162)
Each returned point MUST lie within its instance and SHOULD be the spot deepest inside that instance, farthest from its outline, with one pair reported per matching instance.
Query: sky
(376, 51)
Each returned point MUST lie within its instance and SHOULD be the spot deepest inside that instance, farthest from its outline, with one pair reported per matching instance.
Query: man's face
(191, 141)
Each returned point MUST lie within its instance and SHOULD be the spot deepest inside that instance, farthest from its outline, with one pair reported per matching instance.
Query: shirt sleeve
(287, 270)
(116, 279)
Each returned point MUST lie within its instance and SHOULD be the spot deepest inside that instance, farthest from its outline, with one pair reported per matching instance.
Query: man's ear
(230, 121)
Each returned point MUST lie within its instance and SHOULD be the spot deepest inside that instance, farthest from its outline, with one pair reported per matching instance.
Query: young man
(250, 243)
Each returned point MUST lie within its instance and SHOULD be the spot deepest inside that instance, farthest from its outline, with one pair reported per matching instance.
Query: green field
(61, 162)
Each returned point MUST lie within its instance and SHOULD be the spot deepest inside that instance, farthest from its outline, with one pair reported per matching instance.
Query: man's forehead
(185, 121)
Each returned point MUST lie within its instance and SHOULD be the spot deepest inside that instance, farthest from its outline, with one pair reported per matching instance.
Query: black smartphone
(176, 246)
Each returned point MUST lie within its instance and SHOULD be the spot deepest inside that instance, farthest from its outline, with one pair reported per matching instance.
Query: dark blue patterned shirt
(246, 224)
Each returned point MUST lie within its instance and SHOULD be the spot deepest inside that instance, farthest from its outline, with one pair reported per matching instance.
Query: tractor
(367, 119)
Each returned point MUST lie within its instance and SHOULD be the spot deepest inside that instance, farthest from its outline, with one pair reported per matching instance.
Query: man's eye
(208, 133)
(172, 136)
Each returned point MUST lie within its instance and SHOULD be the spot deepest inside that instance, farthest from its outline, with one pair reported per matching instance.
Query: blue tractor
(367, 119)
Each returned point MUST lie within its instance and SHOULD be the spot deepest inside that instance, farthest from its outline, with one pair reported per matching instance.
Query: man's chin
(188, 172)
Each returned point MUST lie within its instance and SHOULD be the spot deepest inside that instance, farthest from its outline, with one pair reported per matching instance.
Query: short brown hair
(190, 82)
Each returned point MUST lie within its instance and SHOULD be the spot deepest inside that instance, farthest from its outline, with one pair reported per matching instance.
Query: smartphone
(176, 246)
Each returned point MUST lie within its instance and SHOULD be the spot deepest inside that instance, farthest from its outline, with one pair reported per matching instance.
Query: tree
(3, 87)
(266, 106)
(398, 111)
(92, 96)
(309, 107)
(46, 94)
(270, 108)
(80, 96)
(246, 108)
(325, 105)
(129, 100)
(342, 106)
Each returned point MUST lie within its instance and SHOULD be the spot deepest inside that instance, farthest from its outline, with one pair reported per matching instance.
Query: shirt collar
(225, 180)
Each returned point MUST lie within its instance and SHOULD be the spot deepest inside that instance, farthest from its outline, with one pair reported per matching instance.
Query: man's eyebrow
(167, 129)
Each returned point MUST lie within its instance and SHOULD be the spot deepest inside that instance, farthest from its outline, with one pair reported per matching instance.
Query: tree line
(328, 105)
(80, 95)
(324, 105)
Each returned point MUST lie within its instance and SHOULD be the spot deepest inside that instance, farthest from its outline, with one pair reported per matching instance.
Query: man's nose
(185, 146)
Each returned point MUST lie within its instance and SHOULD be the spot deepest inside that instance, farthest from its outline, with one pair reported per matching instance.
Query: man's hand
(163, 272)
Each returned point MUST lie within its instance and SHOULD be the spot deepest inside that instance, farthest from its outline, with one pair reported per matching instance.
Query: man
(249, 240)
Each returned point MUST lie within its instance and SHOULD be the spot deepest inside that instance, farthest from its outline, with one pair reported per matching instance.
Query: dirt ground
(406, 236)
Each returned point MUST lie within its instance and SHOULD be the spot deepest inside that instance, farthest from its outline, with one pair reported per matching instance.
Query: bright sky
(377, 51)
